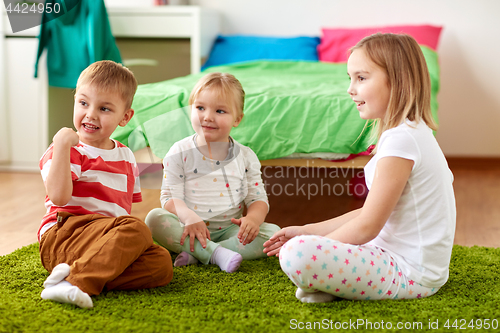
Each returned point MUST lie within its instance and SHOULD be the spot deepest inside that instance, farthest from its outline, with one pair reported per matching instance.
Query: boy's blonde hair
(109, 76)
(402, 59)
(226, 86)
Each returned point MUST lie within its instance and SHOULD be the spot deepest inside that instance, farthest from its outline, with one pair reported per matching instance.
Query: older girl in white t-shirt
(398, 245)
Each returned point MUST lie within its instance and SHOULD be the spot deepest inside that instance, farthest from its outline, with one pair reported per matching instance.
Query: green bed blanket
(290, 107)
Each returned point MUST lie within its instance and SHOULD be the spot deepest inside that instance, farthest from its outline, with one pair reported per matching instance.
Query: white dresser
(25, 114)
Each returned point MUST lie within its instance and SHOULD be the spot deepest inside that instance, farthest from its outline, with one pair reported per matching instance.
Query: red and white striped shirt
(104, 182)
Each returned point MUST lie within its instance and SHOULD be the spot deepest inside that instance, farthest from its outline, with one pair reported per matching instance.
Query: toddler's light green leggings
(167, 230)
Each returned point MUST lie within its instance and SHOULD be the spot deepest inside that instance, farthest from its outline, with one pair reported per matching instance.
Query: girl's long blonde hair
(410, 86)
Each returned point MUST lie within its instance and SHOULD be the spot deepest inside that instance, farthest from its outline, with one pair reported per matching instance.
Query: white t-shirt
(216, 190)
(420, 231)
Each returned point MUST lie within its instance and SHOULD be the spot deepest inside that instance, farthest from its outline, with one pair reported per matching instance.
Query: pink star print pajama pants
(363, 272)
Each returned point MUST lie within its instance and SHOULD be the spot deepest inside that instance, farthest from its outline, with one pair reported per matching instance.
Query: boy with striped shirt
(87, 240)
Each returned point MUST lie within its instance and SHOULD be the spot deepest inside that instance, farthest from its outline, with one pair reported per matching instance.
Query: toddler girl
(208, 179)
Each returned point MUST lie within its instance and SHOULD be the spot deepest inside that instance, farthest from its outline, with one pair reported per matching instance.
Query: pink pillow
(335, 43)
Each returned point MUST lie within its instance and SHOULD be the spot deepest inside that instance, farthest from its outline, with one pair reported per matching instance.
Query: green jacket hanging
(75, 40)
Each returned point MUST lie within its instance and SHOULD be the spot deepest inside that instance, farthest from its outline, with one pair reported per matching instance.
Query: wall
(4, 130)
(469, 50)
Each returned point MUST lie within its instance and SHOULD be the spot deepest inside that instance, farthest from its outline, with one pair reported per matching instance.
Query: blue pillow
(232, 49)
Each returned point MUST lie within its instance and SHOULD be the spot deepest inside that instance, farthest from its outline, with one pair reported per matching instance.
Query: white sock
(313, 297)
(59, 273)
(228, 261)
(184, 259)
(65, 292)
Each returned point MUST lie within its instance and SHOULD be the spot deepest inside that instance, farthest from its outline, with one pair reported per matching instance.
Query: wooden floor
(296, 195)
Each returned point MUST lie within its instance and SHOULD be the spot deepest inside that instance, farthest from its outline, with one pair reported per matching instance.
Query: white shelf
(24, 109)
(200, 25)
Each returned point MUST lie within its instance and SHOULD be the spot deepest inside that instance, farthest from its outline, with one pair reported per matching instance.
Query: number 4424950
(462, 324)
(25, 8)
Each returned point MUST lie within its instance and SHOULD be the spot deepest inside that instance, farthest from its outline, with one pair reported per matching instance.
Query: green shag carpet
(257, 298)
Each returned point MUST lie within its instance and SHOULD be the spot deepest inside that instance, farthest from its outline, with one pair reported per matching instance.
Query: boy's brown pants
(112, 253)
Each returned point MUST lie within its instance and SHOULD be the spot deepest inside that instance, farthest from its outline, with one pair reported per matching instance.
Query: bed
(297, 110)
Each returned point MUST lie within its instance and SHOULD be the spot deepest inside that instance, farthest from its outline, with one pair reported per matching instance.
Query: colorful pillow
(335, 43)
(233, 49)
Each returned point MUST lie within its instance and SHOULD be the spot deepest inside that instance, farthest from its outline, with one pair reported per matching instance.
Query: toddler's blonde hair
(225, 85)
(109, 76)
(400, 56)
